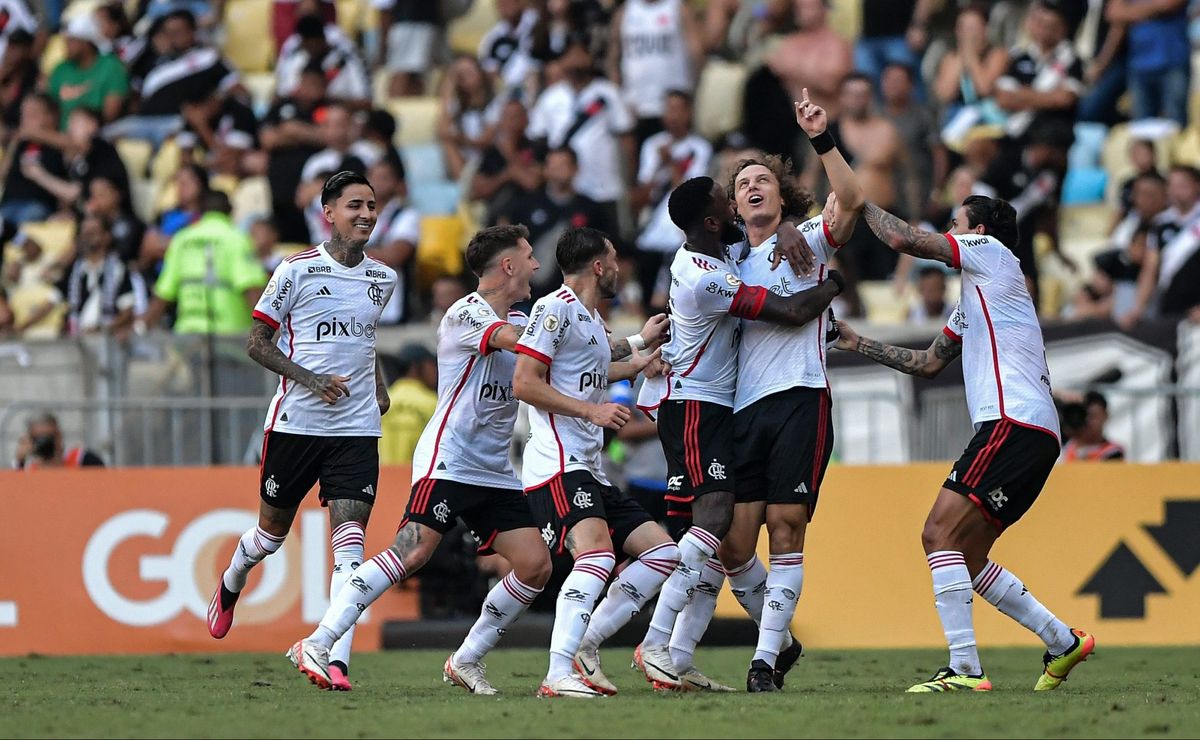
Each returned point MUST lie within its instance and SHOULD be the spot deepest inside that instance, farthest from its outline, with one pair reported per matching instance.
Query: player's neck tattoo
(345, 251)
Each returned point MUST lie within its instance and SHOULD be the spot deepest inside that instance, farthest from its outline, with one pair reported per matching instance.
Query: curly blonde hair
(796, 201)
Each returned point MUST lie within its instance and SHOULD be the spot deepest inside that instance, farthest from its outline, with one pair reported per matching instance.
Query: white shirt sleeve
(975, 254)
(819, 239)
(648, 161)
(278, 297)
(472, 326)
(547, 327)
(956, 325)
(620, 120)
(406, 227)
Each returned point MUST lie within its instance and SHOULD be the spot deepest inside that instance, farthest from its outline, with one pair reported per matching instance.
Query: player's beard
(608, 285)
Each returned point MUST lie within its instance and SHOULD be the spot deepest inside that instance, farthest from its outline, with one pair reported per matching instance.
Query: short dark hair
(382, 123)
(336, 184)
(182, 14)
(682, 94)
(1153, 176)
(310, 27)
(567, 151)
(998, 217)
(687, 203)
(217, 202)
(1095, 398)
(1189, 170)
(20, 37)
(489, 242)
(578, 247)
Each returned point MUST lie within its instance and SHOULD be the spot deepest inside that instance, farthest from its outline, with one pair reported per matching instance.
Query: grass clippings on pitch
(1120, 692)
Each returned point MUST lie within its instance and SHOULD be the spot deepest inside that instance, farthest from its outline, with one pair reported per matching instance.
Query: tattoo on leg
(279, 521)
(344, 510)
(569, 542)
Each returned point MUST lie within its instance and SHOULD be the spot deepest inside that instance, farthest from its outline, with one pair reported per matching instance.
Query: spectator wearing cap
(90, 76)
(317, 43)
(414, 400)
(103, 293)
(290, 136)
(175, 69)
(19, 76)
(1045, 78)
(1159, 56)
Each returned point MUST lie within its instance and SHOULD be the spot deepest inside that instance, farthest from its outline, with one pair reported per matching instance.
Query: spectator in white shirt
(585, 112)
(397, 231)
(504, 51)
(327, 45)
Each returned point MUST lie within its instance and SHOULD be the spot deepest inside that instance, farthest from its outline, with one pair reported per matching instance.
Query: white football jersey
(573, 343)
(703, 348)
(1004, 357)
(326, 314)
(468, 437)
(774, 357)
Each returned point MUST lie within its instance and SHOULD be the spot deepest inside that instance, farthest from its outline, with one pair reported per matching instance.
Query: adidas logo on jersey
(802, 488)
(592, 342)
(441, 466)
(369, 490)
(324, 291)
(283, 417)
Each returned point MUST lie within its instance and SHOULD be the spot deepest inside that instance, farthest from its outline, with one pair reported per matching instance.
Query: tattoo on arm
(262, 349)
(945, 349)
(900, 358)
(904, 238)
(620, 349)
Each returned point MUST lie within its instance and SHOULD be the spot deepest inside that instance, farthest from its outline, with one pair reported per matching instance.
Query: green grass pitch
(1120, 692)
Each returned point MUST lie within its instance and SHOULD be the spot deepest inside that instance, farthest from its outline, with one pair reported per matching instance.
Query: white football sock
(250, 551)
(576, 598)
(695, 549)
(748, 582)
(347, 543)
(1003, 590)
(636, 585)
(694, 619)
(507, 601)
(784, 584)
(952, 594)
(371, 580)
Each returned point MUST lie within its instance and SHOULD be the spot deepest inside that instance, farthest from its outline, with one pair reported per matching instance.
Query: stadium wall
(124, 561)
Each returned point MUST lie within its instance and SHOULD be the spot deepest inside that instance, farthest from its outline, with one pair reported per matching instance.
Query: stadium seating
(465, 33)
(440, 252)
(423, 162)
(718, 98)
(247, 35)
(417, 119)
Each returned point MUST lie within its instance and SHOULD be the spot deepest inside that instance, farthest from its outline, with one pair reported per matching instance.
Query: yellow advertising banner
(1108, 547)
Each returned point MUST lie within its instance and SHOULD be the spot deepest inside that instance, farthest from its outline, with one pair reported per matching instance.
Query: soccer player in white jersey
(695, 414)
(783, 431)
(1005, 465)
(461, 468)
(566, 361)
(324, 423)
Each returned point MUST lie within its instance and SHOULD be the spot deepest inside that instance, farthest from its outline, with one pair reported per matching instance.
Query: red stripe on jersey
(695, 361)
(305, 255)
(437, 442)
(955, 255)
(691, 442)
(521, 349)
(987, 317)
(266, 320)
(484, 349)
(950, 333)
(829, 235)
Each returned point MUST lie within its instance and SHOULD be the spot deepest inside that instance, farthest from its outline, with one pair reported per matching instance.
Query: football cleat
(312, 660)
(567, 687)
(656, 665)
(587, 670)
(470, 676)
(760, 678)
(220, 611)
(1057, 667)
(338, 680)
(948, 680)
(787, 658)
(694, 680)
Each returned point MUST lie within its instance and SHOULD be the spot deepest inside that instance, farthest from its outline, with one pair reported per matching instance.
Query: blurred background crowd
(160, 157)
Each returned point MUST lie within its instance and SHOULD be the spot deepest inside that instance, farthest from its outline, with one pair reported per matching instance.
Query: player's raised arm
(925, 363)
(653, 334)
(842, 180)
(901, 237)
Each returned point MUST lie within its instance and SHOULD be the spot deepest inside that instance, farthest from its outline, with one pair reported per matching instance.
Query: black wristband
(823, 142)
(837, 278)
